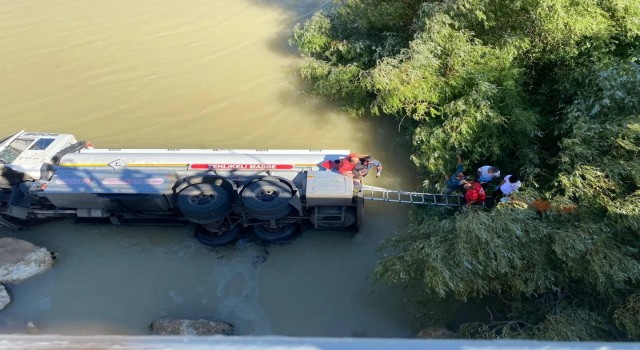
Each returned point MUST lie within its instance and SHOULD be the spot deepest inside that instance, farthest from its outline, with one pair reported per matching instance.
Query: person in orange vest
(348, 164)
(344, 165)
(352, 167)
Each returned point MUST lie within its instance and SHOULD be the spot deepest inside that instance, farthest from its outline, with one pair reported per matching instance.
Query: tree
(546, 87)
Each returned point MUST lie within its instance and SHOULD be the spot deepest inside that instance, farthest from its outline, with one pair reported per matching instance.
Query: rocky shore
(20, 260)
(190, 327)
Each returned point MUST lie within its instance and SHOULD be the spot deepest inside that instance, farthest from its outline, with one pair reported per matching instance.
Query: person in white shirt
(509, 184)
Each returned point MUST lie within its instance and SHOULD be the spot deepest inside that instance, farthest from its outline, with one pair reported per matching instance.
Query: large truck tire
(359, 213)
(283, 232)
(267, 199)
(204, 203)
(216, 239)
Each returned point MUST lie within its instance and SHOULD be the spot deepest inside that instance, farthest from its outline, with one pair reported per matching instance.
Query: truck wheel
(204, 203)
(359, 214)
(283, 232)
(267, 199)
(216, 239)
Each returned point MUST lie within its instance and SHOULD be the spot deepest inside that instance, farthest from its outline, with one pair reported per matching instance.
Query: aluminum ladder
(380, 194)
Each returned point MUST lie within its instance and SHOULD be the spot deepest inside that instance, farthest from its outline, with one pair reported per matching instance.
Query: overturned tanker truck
(222, 191)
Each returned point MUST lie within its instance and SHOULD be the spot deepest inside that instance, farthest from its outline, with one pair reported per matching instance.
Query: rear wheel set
(208, 205)
(266, 199)
(204, 203)
(276, 232)
(218, 237)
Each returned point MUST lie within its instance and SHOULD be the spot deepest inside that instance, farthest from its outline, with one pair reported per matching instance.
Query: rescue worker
(487, 174)
(475, 193)
(348, 164)
(351, 166)
(370, 162)
(358, 175)
(511, 183)
(457, 180)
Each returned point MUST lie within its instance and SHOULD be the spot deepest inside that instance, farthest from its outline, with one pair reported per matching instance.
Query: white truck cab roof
(28, 151)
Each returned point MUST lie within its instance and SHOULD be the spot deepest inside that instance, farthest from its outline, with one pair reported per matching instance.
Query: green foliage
(591, 255)
(458, 91)
(340, 83)
(627, 317)
(625, 15)
(551, 31)
(370, 18)
(547, 88)
(473, 255)
(572, 324)
(497, 330)
(598, 158)
(625, 214)
(510, 251)
(562, 324)
(314, 37)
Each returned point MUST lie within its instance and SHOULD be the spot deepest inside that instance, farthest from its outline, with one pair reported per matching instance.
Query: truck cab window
(41, 144)
(14, 149)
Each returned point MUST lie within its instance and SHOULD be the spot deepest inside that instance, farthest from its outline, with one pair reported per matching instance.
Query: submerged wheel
(218, 238)
(280, 233)
(267, 199)
(204, 203)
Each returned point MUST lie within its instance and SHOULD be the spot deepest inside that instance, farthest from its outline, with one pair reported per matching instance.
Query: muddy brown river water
(190, 74)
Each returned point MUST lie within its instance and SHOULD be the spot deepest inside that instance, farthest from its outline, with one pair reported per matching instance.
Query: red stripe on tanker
(241, 166)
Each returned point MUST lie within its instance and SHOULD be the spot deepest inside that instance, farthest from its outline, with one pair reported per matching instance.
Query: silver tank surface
(232, 162)
(272, 192)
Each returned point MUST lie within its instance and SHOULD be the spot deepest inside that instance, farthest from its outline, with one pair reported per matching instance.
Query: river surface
(190, 74)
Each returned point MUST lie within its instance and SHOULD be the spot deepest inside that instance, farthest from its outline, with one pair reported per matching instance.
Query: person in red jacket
(348, 164)
(474, 193)
(351, 166)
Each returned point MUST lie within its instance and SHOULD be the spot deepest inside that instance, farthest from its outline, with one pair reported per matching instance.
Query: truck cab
(29, 155)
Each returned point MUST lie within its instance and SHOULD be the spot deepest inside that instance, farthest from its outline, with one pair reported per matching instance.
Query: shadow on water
(300, 10)
(279, 43)
(372, 132)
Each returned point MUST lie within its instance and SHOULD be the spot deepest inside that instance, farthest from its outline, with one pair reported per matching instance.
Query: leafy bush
(545, 87)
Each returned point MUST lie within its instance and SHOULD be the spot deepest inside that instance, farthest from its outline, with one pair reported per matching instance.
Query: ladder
(380, 194)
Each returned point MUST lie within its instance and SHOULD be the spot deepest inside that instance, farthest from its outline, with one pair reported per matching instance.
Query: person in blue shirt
(457, 180)
(487, 174)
